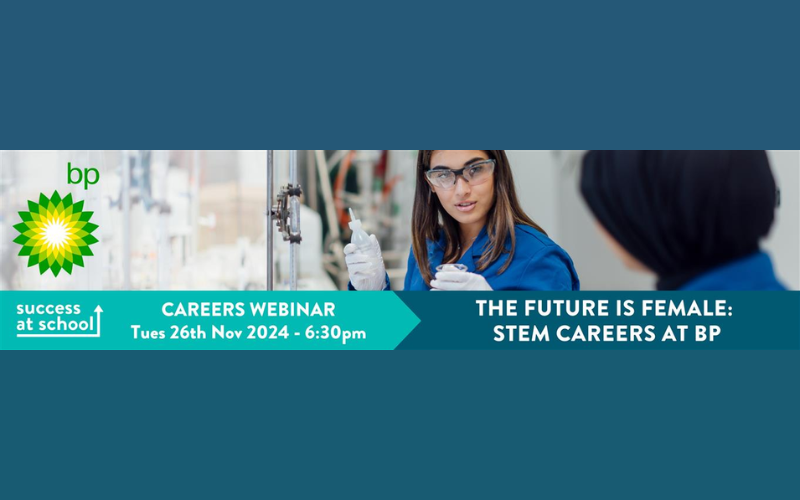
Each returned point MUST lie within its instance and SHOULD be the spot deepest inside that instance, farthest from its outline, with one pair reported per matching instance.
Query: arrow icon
(98, 310)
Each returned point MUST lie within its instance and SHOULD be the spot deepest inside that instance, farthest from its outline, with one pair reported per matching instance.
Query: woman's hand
(459, 282)
(367, 272)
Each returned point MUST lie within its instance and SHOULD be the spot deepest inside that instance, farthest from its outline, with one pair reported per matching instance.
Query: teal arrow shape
(222, 321)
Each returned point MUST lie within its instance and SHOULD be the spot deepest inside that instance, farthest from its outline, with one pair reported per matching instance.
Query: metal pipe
(195, 197)
(337, 156)
(311, 186)
(94, 268)
(270, 223)
(160, 176)
(6, 184)
(125, 192)
(327, 193)
(294, 208)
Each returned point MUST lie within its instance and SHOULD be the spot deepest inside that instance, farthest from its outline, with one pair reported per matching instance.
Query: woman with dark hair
(693, 218)
(466, 214)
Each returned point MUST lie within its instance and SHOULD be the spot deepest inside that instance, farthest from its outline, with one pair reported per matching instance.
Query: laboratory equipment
(286, 215)
(360, 238)
(452, 268)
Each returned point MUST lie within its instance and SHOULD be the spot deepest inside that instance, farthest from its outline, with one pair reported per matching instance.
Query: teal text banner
(203, 320)
(605, 321)
(404, 320)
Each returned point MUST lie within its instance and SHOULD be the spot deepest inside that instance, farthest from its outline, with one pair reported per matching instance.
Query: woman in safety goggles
(469, 233)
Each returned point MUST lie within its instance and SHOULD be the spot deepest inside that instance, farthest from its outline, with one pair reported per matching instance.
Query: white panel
(784, 241)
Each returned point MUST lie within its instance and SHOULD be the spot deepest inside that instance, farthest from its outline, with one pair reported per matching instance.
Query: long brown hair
(504, 214)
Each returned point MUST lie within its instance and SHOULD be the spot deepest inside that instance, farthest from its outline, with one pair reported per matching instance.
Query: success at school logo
(55, 233)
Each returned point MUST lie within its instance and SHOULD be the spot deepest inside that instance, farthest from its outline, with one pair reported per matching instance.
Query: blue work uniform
(754, 272)
(538, 264)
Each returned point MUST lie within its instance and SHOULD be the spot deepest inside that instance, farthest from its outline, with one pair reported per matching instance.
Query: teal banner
(404, 320)
(606, 321)
(203, 320)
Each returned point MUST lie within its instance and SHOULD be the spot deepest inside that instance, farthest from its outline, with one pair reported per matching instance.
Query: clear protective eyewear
(475, 174)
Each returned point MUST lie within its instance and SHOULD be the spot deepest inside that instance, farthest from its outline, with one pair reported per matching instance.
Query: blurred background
(196, 220)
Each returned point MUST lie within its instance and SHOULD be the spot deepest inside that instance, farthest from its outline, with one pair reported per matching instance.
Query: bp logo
(55, 234)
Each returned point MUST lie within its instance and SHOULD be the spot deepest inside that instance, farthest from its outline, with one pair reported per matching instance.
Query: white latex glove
(367, 272)
(459, 282)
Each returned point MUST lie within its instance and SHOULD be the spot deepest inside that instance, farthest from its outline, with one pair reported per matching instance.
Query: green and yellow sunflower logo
(55, 233)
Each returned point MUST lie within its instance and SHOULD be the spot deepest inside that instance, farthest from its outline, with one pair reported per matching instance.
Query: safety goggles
(474, 174)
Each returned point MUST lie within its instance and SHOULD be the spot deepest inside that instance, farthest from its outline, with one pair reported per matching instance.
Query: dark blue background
(566, 75)
(400, 425)
(256, 75)
(759, 320)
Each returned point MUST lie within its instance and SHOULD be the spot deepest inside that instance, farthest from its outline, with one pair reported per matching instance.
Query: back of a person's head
(682, 211)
